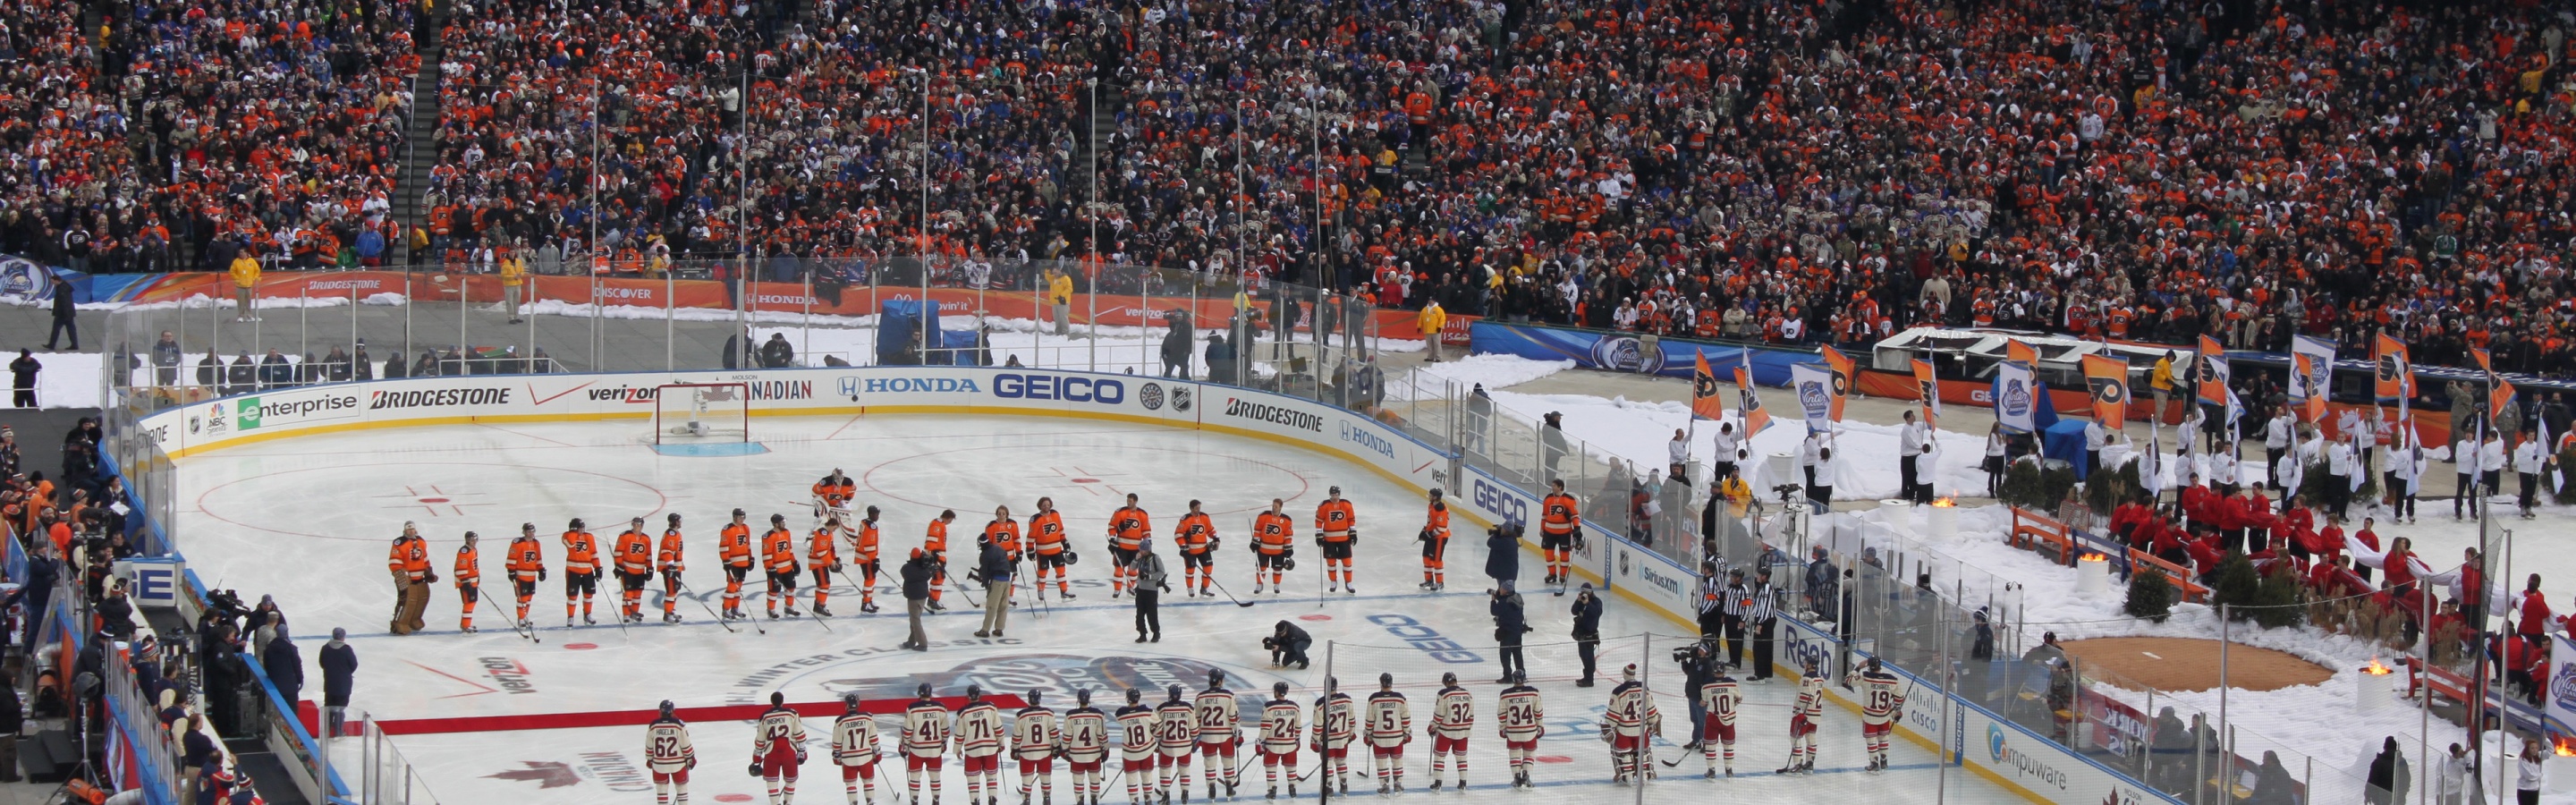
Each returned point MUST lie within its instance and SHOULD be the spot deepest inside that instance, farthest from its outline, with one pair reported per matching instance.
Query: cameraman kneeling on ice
(1287, 645)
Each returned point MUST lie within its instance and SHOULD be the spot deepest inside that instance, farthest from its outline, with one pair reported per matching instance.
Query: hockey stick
(864, 598)
(1229, 594)
(528, 632)
(710, 608)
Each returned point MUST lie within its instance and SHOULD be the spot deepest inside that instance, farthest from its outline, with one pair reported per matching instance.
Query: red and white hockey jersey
(1632, 712)
(1454, 713)
(1520, 715)
(1218, 719)
(776, 725)
(1282, 721)
(979, 730)
(1811, 698)
(1136, 728)
(1335, 726)
(1390, 720)
(1085, 735)
(854, 740)
(1882, 696)
(1176, 727)
(666, 746)
(1721, 697)
(925, 729)
(1033, 734)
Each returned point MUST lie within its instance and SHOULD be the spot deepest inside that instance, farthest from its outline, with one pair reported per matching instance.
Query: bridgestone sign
(1273, 414)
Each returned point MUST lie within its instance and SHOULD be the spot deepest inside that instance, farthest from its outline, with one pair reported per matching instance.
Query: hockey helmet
(741, 513)
(777, 518)
(1134, 695)
(526, 527)
(1332, 684)
(636, 520)
(1175, 692)
(576, 524)
(1386, 680)
(1071, 558)
(1081, 697)
(1332, 490)
(1629, 672)
(673, 518)
(974, 693)
(1279, 689)
(850, 700)
(1216, 677)
(1449, 680)
(1873, 663)
(1435, 493)
(666, 707)
(1033, 697)
(872, 512)
(923, 691)
(470, 536)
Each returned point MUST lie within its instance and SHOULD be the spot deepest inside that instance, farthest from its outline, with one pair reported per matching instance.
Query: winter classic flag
(2393, 375)
(2314, 378)
(1931, 391)
(1748, 404)
(2560, 718)
(2015, 394)
(1815, 387)
(1705, 404)
(2210, 372)
(2108, 378)
(1841, 365)
(2312, 407)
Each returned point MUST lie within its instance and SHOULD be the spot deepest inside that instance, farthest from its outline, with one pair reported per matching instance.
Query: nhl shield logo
(1180, 398)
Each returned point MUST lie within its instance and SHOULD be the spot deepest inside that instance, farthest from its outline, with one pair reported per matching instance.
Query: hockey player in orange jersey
(1435, 544)
(1195, 536)
(1048, 543)
(733, 547)
(1274, 546)
(1336, 530)
(672, 561)
(632, 555)
(823, 556)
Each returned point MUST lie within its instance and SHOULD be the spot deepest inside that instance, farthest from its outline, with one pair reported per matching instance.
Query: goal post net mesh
(720, 411)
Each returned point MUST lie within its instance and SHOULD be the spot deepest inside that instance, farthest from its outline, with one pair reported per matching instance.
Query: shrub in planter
(2151, 596)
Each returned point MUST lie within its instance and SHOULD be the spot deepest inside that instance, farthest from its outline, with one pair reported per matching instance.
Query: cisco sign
(1069, 388)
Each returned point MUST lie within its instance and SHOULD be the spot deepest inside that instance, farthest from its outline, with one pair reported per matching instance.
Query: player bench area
(2065, 544)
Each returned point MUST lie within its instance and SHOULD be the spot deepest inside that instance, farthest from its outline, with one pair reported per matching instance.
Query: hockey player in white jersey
(1720, 698)
(1882, 706)
(1136, 747)
(1629, 723)
(979, 747)
(1282, 722)
(1453, 714)
(1035, 743)
(669, 756)
(1336, 725)
(1390, 728)
(854, 747)
(1086, 746)
(1805, 714)
(925, 742)
(777, 749)
(1522, 720)
(1176, 730)
(1218, 724)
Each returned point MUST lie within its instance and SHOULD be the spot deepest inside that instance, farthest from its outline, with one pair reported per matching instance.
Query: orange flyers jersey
(835, 494)
(1435, 523)
(1046, 533)
(526, 557)
(863, 541)
(1004, 534)
(1194, 532)
(469, 565)
(581, 552)
(1271, 533)
(634, 552)
(779, 547)
(936, 540)
(673, 550)
(410, 557)
(822, 549)
(1557, 514)
(1128, 527)
(733, 545)
(1335, 518)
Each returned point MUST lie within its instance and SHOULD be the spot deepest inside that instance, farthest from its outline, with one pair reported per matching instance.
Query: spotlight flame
(2375, 668)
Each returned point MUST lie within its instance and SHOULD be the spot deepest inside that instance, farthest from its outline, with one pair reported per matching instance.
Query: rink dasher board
(852, 391)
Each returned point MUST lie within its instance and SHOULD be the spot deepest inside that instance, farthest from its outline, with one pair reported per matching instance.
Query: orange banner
(1927, 390)
(2108, 379)
(2394, 374)
(1705, 402)
(1841, 366)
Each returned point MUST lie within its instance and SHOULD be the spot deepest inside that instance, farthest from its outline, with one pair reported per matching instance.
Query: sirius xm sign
(1624, 354)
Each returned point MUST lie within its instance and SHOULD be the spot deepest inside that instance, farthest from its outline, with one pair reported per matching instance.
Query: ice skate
(587, 620)
(1383, 790)
(1435, 785)
(1068, 595)
(466, 629)
(868, 607)
(529, 625)
(568, 621)
(1274, 793)
(935, 606)
(821, 611)
(792, 613)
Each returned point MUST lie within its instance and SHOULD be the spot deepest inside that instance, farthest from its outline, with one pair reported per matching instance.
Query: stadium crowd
(1788, 172)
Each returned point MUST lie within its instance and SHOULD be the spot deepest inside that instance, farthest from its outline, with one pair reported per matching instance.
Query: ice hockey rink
(308, 520)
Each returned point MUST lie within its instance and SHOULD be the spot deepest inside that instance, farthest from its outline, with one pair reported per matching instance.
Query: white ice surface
(308, 519)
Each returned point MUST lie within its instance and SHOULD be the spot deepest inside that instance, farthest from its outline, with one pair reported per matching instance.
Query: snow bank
(1639, 433)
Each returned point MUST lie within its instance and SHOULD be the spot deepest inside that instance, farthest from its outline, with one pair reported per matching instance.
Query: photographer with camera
(1587, 631)
(1503, 552)
(1699, 663)
(1287, 645)
(1511, 620)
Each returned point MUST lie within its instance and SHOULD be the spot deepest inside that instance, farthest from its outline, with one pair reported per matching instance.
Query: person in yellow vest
(514, 277)
(1059, 298)
(2161, 381)
(245, 282)
(1429, 321)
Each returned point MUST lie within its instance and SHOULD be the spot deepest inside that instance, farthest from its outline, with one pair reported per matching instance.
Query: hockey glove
(836, 567)
(755, 769)
(541, 574)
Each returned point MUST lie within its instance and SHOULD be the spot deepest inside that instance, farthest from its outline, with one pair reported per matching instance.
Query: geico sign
(1070, 388)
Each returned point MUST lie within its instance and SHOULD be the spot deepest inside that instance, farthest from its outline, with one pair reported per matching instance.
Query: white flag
(2016, 393)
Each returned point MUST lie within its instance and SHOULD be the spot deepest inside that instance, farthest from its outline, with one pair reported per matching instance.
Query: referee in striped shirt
(1712, 592)
(1761, 610)
(1734, 603)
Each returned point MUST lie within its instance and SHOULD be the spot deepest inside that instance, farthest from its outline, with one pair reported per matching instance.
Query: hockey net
(701, 412)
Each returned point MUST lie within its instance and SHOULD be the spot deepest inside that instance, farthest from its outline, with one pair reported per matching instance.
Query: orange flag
(2393, 377)
(2108, 378)
(1841, 366)
(1705, 403)
(1930, 390)
(1749, 404)
(2015, 350)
